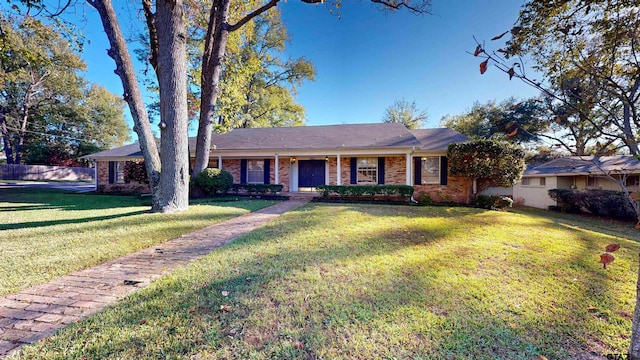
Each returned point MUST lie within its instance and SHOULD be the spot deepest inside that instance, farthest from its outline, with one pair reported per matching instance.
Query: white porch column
(277, 181)
(219, 162)
(409, 168)
(339, 174)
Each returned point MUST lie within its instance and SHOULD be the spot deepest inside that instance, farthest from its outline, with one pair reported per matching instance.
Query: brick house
(301, 158)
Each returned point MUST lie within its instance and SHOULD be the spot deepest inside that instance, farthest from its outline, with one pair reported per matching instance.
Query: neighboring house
(302, 158)
(584, 172)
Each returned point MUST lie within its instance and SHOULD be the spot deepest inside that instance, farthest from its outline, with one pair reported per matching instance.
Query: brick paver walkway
(39, 311)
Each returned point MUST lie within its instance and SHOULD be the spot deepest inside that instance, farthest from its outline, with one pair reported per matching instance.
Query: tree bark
(124, 69)
(172, 80)
(214, 50)
(6, 139)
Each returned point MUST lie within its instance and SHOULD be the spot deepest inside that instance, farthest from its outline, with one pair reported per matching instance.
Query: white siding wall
(535, 195)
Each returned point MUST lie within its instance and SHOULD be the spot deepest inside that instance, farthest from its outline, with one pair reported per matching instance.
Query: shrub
(135, 171)
(258, 188)
(214, 181)
(366, 190)
(493, 202)
(596, 202)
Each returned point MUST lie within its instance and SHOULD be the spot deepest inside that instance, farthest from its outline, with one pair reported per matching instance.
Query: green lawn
(47, 234)
(381, 282)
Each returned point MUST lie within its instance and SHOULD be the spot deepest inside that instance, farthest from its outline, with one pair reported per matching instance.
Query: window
(367, 171)
(592, 181)
(534, 181)
(633, 181)
(119, 172)
(430, 167)
(255, 171)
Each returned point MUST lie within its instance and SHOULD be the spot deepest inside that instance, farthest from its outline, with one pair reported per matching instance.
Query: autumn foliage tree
(487, 162)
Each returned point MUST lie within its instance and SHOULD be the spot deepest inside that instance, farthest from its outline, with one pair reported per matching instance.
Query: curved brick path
(39, 311)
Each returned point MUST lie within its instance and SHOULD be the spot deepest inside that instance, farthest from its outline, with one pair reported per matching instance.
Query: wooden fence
(42, 172)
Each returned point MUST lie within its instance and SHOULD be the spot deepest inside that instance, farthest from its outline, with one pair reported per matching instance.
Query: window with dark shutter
(381, 170)
(267, 171)
(354, 170)
(444, 174)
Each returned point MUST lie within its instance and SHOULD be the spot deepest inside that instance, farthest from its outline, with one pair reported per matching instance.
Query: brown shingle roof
(328, 137)
(316, 137)
(437, 139)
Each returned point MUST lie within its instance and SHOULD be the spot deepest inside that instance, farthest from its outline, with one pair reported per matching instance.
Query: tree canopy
(406, 113)
(587, 53)
(48, 113)
(511, 120)
(488, 162)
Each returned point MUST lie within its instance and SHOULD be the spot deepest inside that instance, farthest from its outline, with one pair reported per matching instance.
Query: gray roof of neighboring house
(330, 137)
(586, 165)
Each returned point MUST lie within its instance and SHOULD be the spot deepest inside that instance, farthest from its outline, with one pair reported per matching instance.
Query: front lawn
(45, 234)
(379, 282)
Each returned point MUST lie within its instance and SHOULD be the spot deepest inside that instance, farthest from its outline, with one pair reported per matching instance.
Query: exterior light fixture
(293, 159)
(326, 158)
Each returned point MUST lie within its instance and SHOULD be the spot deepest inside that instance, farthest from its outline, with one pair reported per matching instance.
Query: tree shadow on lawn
(349, 296)
(48, 199)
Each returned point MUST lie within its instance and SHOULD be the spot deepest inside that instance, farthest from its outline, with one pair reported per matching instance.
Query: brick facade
(120, 188)
(457, 190)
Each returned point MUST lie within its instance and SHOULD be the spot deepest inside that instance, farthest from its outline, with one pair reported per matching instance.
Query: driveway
(61, 185)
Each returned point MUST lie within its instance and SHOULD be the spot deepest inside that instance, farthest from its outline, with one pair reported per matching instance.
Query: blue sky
(367, 58)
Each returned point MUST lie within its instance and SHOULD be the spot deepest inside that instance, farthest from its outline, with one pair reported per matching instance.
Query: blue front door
(311, 173)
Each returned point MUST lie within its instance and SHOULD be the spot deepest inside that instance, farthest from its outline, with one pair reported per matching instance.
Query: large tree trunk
(172, 80)
(214, 50)
(124, 69)
(6, 139)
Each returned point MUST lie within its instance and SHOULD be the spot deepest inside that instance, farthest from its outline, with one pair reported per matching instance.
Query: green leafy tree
(91, 122)
(406, 113)
(512, 120)
(37, 70)
(487, 162)
(586, 52)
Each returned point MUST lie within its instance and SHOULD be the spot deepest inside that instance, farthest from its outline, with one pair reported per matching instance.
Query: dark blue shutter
(417, 171)
(443, 170)
(267, 171)
(381, 170)
(243, 171)
(354, 170)
(112, 172)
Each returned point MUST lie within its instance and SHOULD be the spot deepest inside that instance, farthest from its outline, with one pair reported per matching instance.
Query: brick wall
(457, 190)
(395, 170)
(284, 164)
(120, 188)
(232, 166)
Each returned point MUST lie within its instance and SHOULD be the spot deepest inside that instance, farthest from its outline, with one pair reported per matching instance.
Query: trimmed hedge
(214, 181)
(366, 190)
(257, 188)
(493, 202)
(598, 202)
